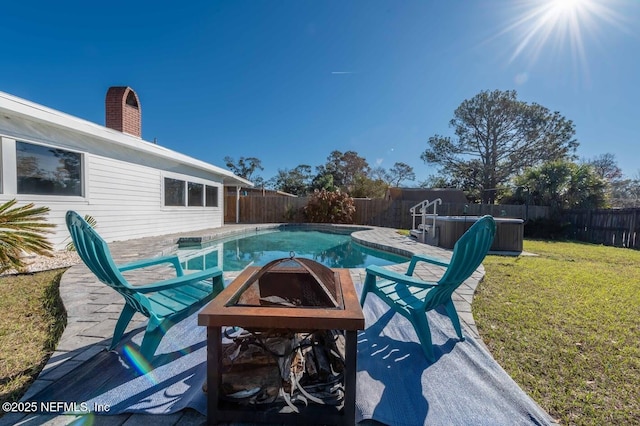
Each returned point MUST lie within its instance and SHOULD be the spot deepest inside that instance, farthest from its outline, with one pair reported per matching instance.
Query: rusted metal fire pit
(312, 314)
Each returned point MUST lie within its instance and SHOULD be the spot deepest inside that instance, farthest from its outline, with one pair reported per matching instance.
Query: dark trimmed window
(211, 196)
(48, 171)
(174, 190)
(196, 194)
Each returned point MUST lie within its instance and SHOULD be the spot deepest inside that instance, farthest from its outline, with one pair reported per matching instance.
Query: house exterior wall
(122, 177)
(130, 198)
(126, 199)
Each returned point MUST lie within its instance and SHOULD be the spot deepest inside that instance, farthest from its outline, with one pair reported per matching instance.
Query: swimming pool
(335, 250)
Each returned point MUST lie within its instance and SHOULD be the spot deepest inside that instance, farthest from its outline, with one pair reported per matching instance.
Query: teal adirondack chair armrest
(158, 301)
(424, 258)
(180, 281)
(145, 263)
(397, 277)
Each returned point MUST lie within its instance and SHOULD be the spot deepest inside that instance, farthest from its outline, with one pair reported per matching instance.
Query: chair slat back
(468, 253)
(95, 253)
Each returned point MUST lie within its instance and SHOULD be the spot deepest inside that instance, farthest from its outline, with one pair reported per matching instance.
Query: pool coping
(93, 308)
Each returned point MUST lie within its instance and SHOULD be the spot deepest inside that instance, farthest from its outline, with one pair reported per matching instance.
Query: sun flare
(566, 5)
(560, 26)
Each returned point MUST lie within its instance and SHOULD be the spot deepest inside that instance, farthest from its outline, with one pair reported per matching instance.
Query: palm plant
(22, 229)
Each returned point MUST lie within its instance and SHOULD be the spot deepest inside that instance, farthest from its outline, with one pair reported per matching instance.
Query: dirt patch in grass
(566, 326)
(31, 324)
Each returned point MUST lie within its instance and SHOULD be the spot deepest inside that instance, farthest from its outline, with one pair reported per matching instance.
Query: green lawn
(31, 323)
(566, 326)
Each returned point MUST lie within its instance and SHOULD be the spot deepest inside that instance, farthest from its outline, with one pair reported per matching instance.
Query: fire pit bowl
(291, 282)
(291, 295)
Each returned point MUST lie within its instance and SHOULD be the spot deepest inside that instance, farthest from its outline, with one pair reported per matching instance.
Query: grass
(31, 323)
(566, 326)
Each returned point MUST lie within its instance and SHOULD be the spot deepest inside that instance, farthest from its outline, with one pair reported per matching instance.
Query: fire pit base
(221, 312)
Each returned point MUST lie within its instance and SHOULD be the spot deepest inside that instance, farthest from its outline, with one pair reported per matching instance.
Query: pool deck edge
(93, 308)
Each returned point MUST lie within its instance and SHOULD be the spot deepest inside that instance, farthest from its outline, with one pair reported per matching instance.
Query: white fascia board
(15, 105)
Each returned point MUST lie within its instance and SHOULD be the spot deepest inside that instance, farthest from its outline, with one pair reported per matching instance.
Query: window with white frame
(47, 170)
(181, 193)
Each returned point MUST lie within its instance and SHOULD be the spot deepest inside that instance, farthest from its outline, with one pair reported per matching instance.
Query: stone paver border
(93, 309)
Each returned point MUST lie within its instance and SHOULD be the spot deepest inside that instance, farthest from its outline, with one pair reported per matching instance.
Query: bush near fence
(375, 212)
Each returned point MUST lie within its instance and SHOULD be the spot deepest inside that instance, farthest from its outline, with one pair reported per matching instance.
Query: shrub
(22, 229)
(330, 207)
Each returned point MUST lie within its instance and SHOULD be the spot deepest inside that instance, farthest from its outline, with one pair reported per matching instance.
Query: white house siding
(129, 200)
(123, 176)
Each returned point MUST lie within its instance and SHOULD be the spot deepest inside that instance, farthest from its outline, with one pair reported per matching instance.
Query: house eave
(13, 106)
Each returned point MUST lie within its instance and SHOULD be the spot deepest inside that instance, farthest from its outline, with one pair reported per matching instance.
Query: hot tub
(509, 231)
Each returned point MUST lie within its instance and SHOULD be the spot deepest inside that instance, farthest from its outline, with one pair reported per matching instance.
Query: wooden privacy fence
(375, 212)
(619, 228)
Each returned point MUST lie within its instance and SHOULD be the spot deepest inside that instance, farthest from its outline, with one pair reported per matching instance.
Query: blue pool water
(330, 249)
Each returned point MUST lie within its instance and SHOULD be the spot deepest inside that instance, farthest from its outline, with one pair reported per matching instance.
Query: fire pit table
(288, 295)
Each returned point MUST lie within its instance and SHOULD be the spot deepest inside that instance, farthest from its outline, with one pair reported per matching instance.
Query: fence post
(632, 228)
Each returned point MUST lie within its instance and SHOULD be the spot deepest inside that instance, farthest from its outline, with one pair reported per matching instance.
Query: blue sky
(288, 81)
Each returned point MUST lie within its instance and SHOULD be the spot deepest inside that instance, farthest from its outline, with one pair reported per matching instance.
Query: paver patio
(93, 309)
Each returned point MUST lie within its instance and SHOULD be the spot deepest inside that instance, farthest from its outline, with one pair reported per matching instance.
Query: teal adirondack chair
(413, 297)
(165, 303)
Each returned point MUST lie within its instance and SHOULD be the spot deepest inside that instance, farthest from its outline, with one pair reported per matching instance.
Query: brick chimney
(122, 109)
